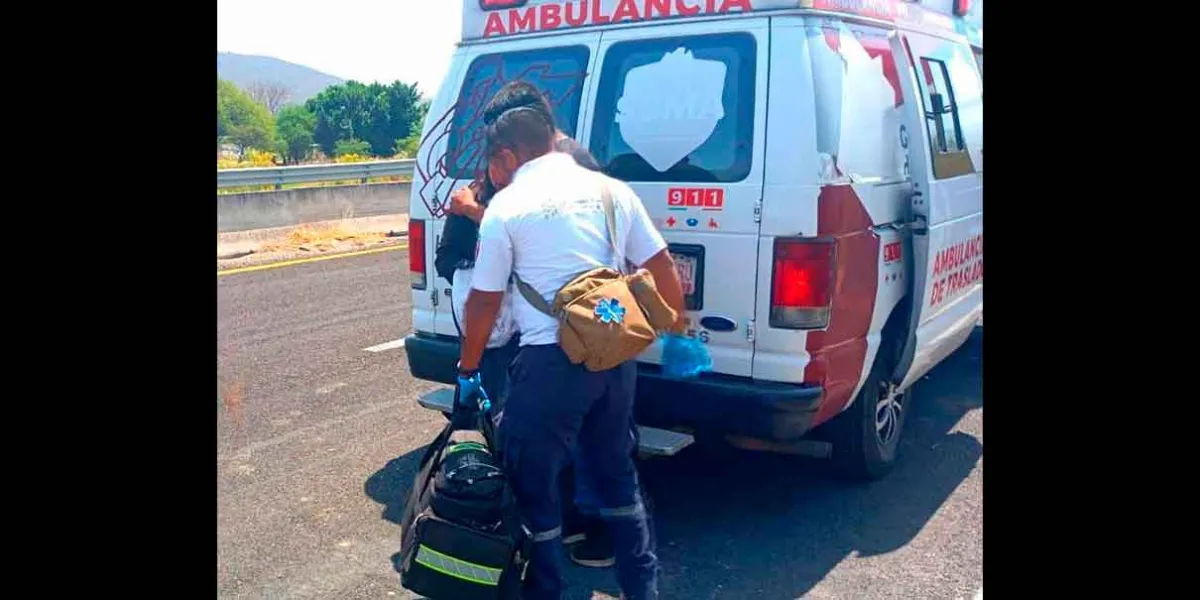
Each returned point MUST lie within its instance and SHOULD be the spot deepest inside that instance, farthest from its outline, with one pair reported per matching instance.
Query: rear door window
(677, 109)
(952, 96)
(558, 72)
(941, 113)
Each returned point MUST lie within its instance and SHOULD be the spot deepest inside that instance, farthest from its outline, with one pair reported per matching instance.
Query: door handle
(917, 224)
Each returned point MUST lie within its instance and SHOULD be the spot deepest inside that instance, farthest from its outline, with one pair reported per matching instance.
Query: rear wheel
(866, 436)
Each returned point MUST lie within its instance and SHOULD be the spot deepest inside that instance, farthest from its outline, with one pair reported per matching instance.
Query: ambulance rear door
(680, 114)
(558, 66)
(943, 134)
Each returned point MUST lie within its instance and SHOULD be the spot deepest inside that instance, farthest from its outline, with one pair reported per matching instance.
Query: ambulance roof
(492, 19)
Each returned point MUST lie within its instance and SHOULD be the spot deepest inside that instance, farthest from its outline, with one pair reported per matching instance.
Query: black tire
(862, 451)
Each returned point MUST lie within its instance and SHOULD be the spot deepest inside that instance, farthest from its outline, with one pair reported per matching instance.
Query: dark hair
(526, 130)
(517, 94)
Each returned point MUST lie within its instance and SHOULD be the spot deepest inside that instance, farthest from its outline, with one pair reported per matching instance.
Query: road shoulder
(256, 247)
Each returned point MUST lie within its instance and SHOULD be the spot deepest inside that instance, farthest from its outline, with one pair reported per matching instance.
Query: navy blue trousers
(557, 413)
(494, 370)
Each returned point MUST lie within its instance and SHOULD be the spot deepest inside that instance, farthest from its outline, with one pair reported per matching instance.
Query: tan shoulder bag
(604, 316)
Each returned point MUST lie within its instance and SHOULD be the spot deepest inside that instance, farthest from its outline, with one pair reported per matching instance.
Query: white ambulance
(815, 165)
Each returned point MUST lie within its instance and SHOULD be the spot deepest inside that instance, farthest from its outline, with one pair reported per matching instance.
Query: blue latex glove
(684, 357)
(472, 387)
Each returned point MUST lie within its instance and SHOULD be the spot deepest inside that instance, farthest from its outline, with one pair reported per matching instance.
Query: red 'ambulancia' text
(591, 12)
(955, 268)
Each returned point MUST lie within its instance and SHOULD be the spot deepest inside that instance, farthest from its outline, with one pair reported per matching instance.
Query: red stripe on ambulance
(837, 355)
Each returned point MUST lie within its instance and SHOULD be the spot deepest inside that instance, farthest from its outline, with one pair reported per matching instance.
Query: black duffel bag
(461, 535)
(468, 486)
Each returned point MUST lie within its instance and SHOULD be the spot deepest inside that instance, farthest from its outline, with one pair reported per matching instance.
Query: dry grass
(323, 237)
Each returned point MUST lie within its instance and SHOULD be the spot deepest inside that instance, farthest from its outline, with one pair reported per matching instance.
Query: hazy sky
(365, 40)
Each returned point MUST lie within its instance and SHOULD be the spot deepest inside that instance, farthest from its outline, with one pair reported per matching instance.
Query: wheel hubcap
(887, 413)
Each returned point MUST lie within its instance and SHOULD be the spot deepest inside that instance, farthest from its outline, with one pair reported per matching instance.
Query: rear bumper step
(710, 404)
(651, 440)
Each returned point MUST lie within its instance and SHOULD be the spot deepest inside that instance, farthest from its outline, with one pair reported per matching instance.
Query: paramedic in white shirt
(585, 534)
(547, 225)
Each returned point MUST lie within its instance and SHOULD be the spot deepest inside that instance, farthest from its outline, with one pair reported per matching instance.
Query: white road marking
(979, 594)
(392, 345)
(329, 389)
(248, 451)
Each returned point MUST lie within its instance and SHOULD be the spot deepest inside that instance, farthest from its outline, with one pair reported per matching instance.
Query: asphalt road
(318, 439)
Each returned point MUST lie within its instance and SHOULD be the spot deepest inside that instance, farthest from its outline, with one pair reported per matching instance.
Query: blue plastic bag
(684, 357)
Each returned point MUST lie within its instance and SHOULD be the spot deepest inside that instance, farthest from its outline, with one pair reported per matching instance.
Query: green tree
(419, 116)
(222, 116)
(351, 146)
(403, 118)
(377, 114)
(336, 109)
(245, 122)
(295, 125)
(407, 147)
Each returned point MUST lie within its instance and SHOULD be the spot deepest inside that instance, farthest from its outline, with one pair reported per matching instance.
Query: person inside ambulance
(587, 535)
(454, 259)
(542, 224)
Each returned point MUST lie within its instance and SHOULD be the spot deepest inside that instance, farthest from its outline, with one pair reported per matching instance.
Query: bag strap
(610, 220)
(457, 327)
(436, 446)
(532, 297)
(610, 224)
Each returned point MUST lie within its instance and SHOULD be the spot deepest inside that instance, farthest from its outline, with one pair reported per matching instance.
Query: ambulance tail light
(416, 253)
(962, 7)
(801, 283)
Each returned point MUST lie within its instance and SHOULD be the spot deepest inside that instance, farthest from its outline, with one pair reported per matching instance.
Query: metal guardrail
(278, 176)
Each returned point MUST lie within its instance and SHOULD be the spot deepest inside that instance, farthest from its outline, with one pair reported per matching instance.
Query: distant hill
(301, 81)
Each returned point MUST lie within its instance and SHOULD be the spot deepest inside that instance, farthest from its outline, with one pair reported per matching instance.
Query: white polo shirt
(548, 226)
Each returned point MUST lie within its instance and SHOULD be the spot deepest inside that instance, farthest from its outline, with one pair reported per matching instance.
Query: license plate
(689, 264)
(685, 266)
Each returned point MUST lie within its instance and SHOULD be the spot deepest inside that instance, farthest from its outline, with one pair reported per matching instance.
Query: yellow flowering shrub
(250, 158)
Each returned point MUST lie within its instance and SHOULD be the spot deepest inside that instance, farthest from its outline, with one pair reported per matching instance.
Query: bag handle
(610, 224)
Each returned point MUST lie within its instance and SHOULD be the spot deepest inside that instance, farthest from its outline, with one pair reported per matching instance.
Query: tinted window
(952, 96)
(677, 109)
(967, 81)
(941, 115)
(557, 72)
